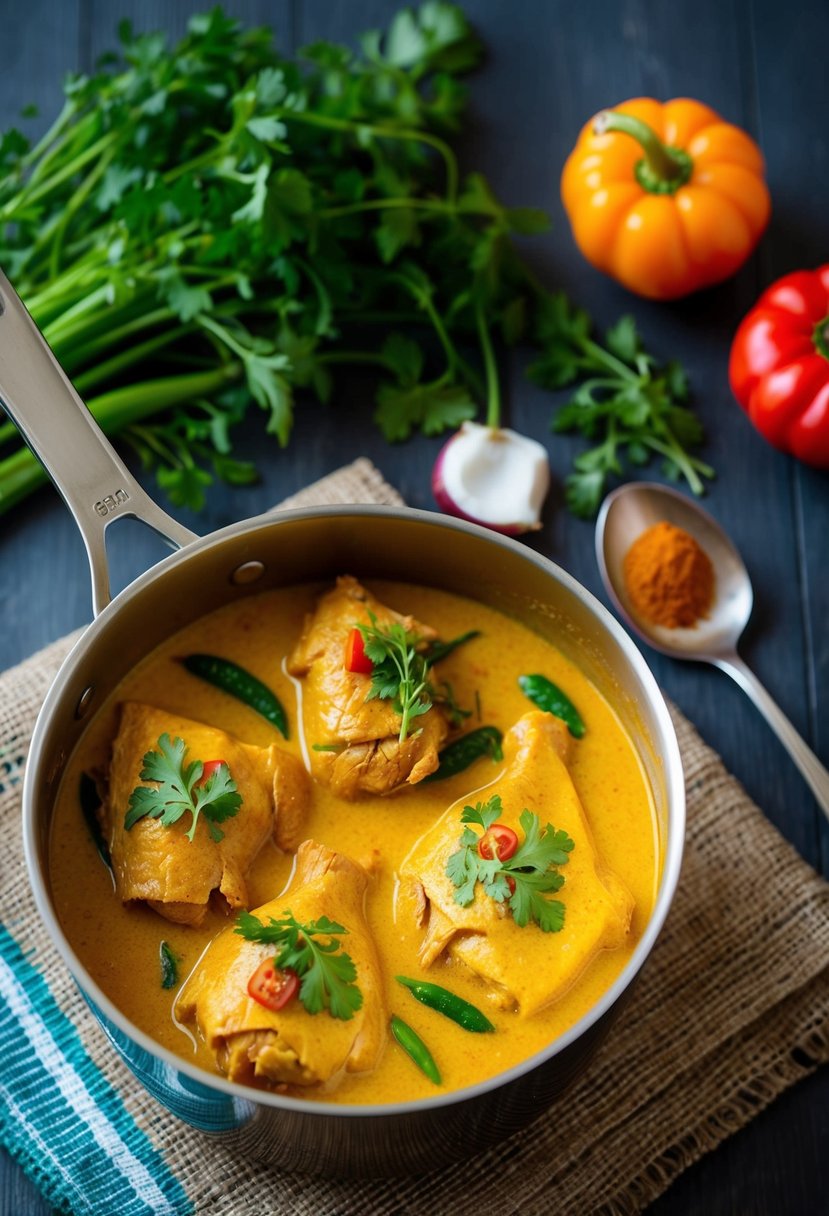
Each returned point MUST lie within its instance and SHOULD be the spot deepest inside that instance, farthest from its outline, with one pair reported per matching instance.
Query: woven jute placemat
(732, 1007)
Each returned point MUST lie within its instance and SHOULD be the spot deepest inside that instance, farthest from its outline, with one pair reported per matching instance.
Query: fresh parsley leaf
(400, 672)
(403, 357)
(176, 790)
(483, 813)
(432, 408)
(584, 492)
(623, 340)
(522, 880)
(290, 198)
(541, 847)
(629, 408)
(462, 870)
(435, 36)
(184, 483)
(327, 974)
(398, 228)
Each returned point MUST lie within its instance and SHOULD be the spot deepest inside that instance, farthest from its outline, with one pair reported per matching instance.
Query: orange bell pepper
(665, 198)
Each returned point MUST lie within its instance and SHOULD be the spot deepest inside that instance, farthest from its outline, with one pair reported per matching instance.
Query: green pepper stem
(820, 337)
(664, 169)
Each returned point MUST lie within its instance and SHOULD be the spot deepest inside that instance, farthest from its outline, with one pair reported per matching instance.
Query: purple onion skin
(450, 507)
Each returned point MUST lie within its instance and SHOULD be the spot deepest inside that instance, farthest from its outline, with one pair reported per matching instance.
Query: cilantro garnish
(400, 672)
(326, 972)
(178, 790)
(216, 225)
(524, 878)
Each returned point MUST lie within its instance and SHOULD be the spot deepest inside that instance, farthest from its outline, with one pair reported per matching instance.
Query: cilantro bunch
(327, 974)
(524, 879)
(214, 225)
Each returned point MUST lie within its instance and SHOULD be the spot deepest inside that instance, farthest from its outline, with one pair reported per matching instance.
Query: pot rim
(668, 748)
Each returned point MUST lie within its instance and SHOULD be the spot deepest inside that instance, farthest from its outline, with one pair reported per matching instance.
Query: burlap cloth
(732, 1008)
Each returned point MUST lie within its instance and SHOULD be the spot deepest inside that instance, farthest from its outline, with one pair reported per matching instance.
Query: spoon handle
(817, 776)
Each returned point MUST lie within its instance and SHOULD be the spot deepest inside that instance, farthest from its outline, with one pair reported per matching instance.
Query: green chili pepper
(445, 1002)
(414, 1047)
(90, 802)
(169, 966)
(458, 755)
(436, 651)
(239, 683)
(549, 697)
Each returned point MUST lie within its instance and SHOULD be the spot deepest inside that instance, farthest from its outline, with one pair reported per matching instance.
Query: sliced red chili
(356, 659)
(208, 769)
(498, 841)
(271, 987)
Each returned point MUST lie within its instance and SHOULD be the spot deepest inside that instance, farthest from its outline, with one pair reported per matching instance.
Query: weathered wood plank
(798, 155)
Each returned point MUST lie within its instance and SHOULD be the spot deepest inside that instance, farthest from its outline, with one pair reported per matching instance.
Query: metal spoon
(625, 514)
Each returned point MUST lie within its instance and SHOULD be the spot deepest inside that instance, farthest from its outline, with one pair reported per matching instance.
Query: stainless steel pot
(298, 546)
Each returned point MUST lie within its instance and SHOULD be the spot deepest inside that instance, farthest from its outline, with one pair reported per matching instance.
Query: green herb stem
(79, 354)
(66, 326)
(384, 132)
(599, 356)
(689, 466)
(386, 204)
(28, 195)
(21, 472)
(38, 154)
(101, 372)
(55, 239)
(493, 391)
(424, 300)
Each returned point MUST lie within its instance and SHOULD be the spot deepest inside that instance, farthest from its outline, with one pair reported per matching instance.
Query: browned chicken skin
(158, 864)
(291, 1046)
(521, 965)
(372, 759)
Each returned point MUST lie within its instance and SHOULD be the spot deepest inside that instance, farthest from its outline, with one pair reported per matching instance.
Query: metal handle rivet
(84, 701)
(248, 572)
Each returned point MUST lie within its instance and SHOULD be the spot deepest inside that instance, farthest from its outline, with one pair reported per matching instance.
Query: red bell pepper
(356, 659)
(779, 367)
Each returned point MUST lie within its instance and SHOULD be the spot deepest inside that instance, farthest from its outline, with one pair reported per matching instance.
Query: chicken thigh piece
(523, 966)
(363, 752)
(158, 863)
(290, 1046)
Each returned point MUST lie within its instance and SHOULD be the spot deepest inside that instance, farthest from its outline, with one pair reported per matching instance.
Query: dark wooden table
(551, 64)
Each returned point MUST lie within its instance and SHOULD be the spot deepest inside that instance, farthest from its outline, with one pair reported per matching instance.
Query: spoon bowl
(624, 516)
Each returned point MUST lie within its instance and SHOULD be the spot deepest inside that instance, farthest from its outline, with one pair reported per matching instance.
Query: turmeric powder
(669, 577)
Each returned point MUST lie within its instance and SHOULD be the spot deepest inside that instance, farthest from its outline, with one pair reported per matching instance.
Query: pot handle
(94, 482)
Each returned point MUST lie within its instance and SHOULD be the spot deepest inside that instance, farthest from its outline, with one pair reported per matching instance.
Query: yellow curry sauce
(119, 945)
